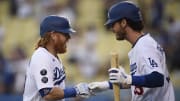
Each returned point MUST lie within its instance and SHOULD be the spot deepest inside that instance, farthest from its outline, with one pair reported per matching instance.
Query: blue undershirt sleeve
(69, 92)
(152, 80)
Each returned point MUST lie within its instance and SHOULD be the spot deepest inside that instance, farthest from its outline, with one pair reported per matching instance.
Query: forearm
(57, 93)
(152, 80)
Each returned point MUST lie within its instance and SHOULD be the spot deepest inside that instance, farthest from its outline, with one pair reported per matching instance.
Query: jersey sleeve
(43, 75)
(150, 62)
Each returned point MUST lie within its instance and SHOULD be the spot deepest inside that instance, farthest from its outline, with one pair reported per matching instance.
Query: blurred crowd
(82, 49)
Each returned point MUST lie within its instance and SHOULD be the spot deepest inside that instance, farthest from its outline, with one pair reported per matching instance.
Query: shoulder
(40, 56)
(40, 62)
(40, 53)
(146, 46)
(146, 43)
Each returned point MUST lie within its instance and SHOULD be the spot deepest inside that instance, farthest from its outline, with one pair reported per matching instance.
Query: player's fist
(97, 87)
(82, 90)
(118, 75)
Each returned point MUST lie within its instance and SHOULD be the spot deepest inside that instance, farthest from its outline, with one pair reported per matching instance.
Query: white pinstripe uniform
(44, 71)
(145, 57)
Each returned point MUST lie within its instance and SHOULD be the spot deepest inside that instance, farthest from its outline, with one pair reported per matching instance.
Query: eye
(113, 24)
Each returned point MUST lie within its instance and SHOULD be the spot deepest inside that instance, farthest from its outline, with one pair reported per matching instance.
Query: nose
(112, 30)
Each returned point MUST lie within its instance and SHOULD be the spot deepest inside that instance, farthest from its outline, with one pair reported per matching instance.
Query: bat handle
(115, 64)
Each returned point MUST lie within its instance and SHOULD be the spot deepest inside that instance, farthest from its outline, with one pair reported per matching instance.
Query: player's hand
(118, 75)
(97, 87)
(82, 90)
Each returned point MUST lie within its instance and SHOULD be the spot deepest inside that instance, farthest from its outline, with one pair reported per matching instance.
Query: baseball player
(45, 77)
(149, 78)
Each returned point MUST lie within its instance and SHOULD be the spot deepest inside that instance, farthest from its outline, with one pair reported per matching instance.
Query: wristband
(69, 92)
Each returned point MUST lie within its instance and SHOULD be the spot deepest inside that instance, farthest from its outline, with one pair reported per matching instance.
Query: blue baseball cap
(55, 23)
(124, 9)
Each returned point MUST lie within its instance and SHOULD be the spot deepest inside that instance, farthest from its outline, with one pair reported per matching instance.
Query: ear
(53, 36)
(123, 23)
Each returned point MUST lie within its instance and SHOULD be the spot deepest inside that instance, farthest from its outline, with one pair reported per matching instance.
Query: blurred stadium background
(87, 59)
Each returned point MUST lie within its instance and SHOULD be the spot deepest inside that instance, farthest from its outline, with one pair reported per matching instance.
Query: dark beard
(61, 50)
(120, 36)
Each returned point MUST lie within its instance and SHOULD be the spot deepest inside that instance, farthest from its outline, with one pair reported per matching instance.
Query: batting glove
(97, 87)
(118, 75)
(82, 90)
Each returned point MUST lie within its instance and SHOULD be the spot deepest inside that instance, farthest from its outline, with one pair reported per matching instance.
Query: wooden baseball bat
(115, 64)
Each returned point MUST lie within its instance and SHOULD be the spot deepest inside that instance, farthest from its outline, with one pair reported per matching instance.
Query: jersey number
(152, 62)
(138, 90)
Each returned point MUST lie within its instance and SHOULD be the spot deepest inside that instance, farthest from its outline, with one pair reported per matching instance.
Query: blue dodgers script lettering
(59, 75)
(133, 68)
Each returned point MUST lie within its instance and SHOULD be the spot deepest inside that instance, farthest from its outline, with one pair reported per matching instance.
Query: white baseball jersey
(145, 57)
(44, 71)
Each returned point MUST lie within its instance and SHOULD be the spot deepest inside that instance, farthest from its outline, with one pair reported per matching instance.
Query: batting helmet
(55, 23)
(121, 10)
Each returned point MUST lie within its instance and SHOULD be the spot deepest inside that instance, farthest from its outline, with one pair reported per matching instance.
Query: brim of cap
(69, 31)
(109, 22)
